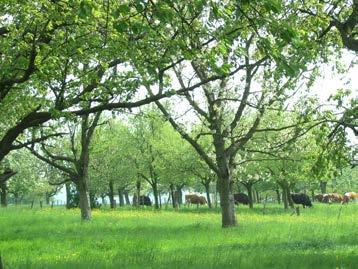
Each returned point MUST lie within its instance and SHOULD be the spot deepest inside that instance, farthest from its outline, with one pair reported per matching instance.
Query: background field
(190, 238)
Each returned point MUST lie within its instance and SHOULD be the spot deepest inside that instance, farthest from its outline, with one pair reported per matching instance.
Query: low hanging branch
(7, 175)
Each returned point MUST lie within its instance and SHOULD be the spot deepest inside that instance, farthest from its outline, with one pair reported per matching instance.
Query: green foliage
(32, 179)
(112, 155)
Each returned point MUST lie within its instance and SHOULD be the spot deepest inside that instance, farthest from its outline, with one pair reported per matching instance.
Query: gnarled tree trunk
(227, 203)
(85, 205)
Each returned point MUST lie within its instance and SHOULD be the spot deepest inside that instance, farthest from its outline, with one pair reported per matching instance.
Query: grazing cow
(143, 200)
(348, 196)
(301, 199)
(195, 199)
(332, 197)
(319, 197)
(241, 198)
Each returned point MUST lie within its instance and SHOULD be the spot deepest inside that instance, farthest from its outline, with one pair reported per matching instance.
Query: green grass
(190, 238)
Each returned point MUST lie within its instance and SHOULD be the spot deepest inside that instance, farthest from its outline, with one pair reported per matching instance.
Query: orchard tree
(114, 172)
(55, 56)
(147, 131)
(176, 163)
(73, 158)
(256, 55)
(32, 179)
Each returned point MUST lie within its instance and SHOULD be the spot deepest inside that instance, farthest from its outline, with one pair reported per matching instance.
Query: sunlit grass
(190, 238)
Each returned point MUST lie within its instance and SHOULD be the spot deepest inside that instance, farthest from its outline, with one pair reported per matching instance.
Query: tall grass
(190, 238)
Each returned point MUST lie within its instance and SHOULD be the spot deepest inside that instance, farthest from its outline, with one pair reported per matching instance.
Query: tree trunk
(249, 193)
(334, 184)
(47, 198)
(68, 194)
(225, 181)
(312, 195)
(155, 194)
(160, 199)
(289, 198)
(3, 194)
(111, 195)
(136, 201)
(227, 203)
(179, 194)
(103, 200)
(176, 198)
(284, 198)
(216, 194)
(120, 197)
(16, 198)
(85, 205)
(258, 200)
(278, 196)
(126, 197)
(323, 187)
(174, 202)
(207, 190)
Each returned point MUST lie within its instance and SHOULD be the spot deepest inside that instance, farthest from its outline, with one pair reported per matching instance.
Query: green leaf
(85, 9)
(124, 8)
(273, 5)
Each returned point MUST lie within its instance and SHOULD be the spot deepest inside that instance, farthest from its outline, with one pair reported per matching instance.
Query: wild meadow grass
(321, 237)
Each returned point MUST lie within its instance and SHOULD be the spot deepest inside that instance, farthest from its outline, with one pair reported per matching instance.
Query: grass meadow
(325, 236)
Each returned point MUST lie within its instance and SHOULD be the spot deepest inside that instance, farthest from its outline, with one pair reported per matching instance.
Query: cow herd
(303, 199)
(336, 197)
(241, 198)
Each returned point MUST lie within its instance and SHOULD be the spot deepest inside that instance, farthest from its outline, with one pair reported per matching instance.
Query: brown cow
(319, 197)
(195, 199)
(348, 196)
(332, 197)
